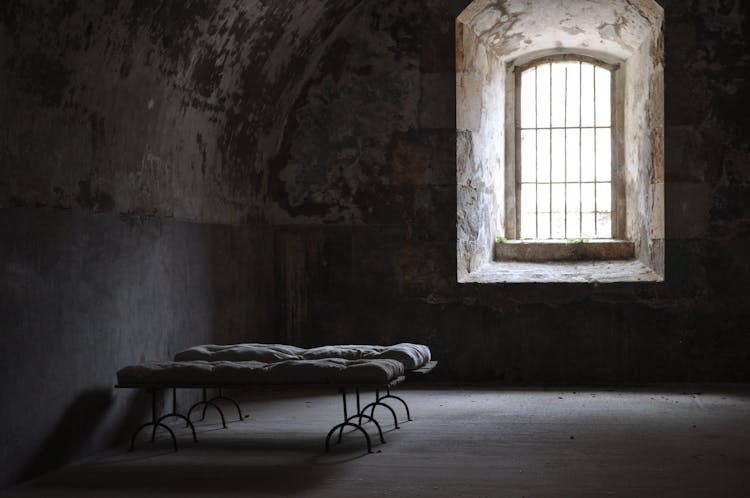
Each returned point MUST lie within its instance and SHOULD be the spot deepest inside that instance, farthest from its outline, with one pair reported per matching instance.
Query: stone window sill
(546, 251)
(606, 271)
(550, 261)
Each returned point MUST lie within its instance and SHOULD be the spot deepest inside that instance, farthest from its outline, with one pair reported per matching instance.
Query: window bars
(564, 150)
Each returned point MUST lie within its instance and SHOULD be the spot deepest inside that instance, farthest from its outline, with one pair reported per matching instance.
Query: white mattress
(412, 356)
(267, 353)
(242, 373)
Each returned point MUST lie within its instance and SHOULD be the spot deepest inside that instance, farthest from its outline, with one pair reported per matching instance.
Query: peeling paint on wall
(124, 88)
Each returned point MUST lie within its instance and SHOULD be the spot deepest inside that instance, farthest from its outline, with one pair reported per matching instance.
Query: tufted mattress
(411, 356)
(245, 373)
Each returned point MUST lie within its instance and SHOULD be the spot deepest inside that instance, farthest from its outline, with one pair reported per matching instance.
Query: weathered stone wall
(166, 109)
(480, 96)
(644, 151)
(375, 261)
(134, 146)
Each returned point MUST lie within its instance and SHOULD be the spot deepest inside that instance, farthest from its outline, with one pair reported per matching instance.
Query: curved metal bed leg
(340, 427)
(234, 402)
(153, 434)
(359, 410)
(346, 416)
(406, 406)
(377, 398)
(135, 434)
(174, 438)
(231, 400)
(372, 411)
(341, 434)
(377, 425)
(221, 414)
(183, 417)
(203, 414)
(190, 411)
(205, 405)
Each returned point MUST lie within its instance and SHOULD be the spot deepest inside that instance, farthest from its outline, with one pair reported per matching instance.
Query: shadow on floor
(71, 433)
(277, 467)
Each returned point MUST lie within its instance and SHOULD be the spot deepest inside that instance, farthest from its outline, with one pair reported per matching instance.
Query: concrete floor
(677, 441)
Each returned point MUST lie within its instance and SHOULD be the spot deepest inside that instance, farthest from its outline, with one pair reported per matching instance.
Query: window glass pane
(543, 223)
(558, 211)
(558, 198)
(558, 94)
(528, 211)
(558, 155)
(572, 149)
(566, 172)
(604, 225)
(587, 155)
(558, 226)
(574, 87)
(542, 155)
(528, 155)
(587, 94)
(528, 198)
(602, 78)
(588, 226)
(604, 196)
(543, 204)
(542, 95)
(528, 101)
(528, 226)
(587, 198)
(574, 210)
(603, 154)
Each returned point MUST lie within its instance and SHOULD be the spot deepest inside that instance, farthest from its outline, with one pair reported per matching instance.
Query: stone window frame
(489, 35)
(513, 145)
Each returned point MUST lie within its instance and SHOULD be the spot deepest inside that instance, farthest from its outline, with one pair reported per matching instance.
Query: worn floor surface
(675, 441)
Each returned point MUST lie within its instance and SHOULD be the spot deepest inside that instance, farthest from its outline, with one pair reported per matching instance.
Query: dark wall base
(377, 285)
(82, 295)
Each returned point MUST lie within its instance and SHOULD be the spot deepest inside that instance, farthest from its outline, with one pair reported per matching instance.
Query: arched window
(564, 155)
(560, 141)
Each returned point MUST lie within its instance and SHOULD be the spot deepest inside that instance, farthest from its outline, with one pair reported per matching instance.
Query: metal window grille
(564, 150)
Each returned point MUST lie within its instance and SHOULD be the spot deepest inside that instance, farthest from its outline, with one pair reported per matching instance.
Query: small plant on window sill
(577, 240)
(500, 239)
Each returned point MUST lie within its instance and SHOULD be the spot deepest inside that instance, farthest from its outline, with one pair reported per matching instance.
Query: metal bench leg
(341, 427)
(205, 404)
(226, 398)
(389, 395)
(348, 422)
(155, 422)
(175, 414)
(372, 406)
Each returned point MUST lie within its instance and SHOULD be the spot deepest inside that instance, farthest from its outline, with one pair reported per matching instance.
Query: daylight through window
(564, 146)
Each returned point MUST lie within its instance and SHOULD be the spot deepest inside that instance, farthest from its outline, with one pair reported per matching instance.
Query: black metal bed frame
(156, 421)
(212, 403)
(205, 402)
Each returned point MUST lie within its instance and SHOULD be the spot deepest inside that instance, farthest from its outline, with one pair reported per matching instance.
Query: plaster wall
(85, 294)
(644, 152)
(480, 94)
(134, 145)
